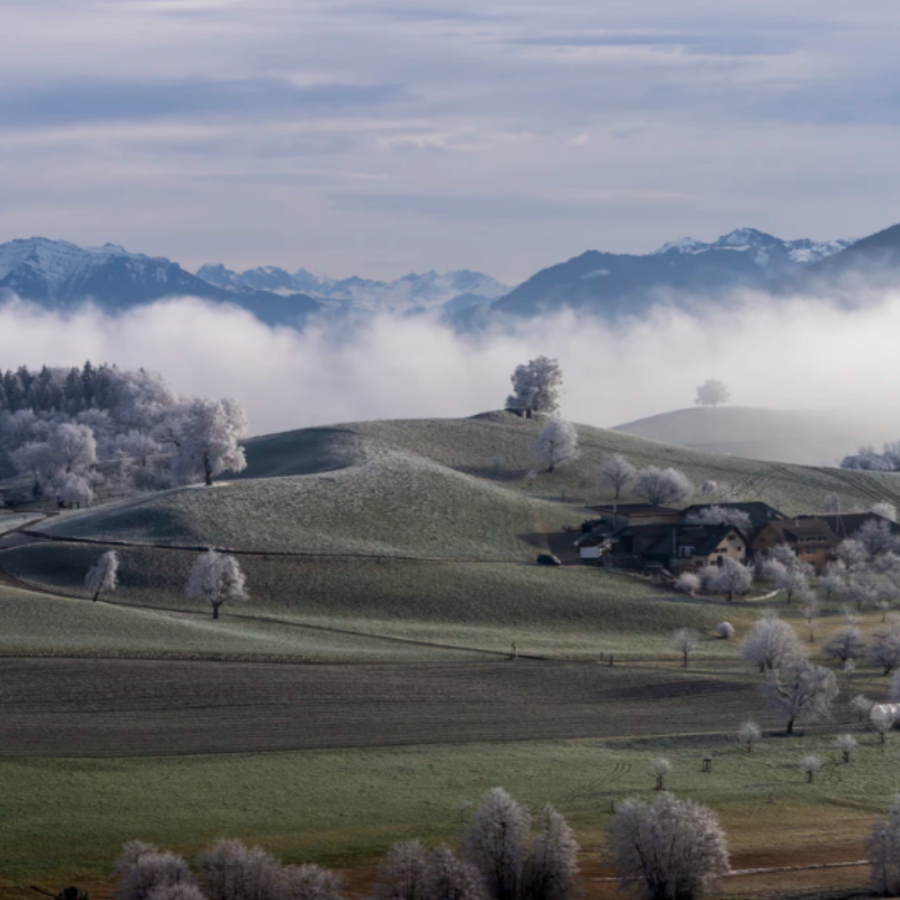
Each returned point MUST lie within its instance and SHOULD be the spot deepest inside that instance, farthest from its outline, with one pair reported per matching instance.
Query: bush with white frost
(688, 583)
(669, 850)
(749, 734)
(660, 768)
(845, 744)
(216, 578)
(661, 487)
(809, 765)
(104, 575)
(725, 631)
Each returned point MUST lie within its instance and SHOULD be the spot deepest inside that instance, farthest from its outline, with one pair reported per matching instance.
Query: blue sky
(377, 137)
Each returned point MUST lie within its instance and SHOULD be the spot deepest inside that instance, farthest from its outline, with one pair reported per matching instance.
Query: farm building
(621, 515)
(845, 525)
(677, 546)
(808, 536)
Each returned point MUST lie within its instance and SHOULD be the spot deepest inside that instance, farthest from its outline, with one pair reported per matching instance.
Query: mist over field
(779, 354)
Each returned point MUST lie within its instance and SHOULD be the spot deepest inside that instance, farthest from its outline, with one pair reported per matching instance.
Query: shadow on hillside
(306, 452)
(491, 473)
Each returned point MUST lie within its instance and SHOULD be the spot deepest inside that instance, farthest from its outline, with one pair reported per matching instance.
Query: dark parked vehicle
(548, 559)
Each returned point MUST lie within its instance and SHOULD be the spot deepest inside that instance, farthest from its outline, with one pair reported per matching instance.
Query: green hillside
(791, 436)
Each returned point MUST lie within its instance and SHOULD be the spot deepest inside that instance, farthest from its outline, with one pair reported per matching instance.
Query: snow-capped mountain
(59, 274)
(611, 284)
(411, 292)
(771, 254)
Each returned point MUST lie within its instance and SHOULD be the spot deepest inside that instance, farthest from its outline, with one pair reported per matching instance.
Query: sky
(379, 137)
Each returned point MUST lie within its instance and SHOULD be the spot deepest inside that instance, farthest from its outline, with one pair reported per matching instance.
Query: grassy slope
(813, 438)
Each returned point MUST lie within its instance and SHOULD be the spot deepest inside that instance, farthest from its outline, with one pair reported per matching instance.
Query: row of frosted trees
(670, 849)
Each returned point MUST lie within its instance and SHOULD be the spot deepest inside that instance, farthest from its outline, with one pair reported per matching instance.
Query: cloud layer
(377, 137)
(792, 354)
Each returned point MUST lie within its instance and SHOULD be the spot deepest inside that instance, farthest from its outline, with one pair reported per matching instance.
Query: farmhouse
(808, 536)
(677, 546)
(625, 514)
(846, 525)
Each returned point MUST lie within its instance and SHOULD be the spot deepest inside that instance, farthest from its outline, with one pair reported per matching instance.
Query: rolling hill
(791, 436)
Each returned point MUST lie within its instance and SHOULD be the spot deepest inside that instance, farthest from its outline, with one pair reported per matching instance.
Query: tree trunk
(790, 726)
(96, 596)
(207, 470)
(215, 607)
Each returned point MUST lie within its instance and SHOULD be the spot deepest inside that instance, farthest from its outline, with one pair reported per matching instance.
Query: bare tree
(845, 744)
(662, 486)
(733, 578)
(685, 641)
(216, 578)
(884, 651)
(104, 575)
(229, 870)
(660, 768)
(401, 876)
(810, 765)
(495, 842)
(447, 877)
(670, 850)
(771, 643)
(537, 386)
(556, 445)
(551, 870)
(800, 692)
(749, 734)
(142, 871)
(846, 643)
(310, 882)
(883, 849)
(711, 393)
(725, 631)
(616, 473)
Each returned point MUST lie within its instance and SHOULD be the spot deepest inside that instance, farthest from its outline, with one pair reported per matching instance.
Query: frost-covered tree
(876, 536)
(809, 765)
(496, 843)
(662, 486)
(669, 850)
(230, 870)
(142, 870)
(556, 445)
(886, 510)
(712, 393)
(709, 488)
(721, 515)
(881, 720)
(684, 642)
(551, 869)
(884, 650)
(308, 882)
(786, 573)
(447, 877)
(846, 643)
(75, 490)
(216, 578)
(104, 575)
(845, 744)
(862, 706)
(660, 768)
(883, 850)
(749, 734)
(537, 386)
(688, 583)
(771, 643)
(402, 874)
(810, 607)
(616, 473)
(832, 579)
(204, 440)
(800, 692)
(852, 553)
(733, 578)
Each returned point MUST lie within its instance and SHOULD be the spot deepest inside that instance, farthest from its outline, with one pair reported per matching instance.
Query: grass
(64, 820)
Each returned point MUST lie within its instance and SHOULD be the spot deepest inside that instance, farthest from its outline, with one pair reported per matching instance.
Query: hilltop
(795, 436)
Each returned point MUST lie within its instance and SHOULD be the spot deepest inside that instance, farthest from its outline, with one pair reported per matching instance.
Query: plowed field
(102, 708)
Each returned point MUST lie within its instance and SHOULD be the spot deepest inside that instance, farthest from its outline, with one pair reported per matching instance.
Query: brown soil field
(103, 708)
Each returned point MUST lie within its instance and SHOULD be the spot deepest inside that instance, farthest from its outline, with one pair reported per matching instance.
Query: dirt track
(77, 707)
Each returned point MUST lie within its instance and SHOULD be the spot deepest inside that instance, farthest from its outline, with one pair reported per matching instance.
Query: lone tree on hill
(685, 641)
(556, 445)
(712, 393)
(616, 473)
(661, 486)
(104, 575)
(216, 578)
(801, 692)
(883, 849)
(671, 849)
(537, 386)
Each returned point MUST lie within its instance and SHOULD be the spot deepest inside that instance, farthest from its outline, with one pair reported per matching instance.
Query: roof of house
(791, 530)
(847, 524)
(759, 512)
(635, 509)
(703, 538)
